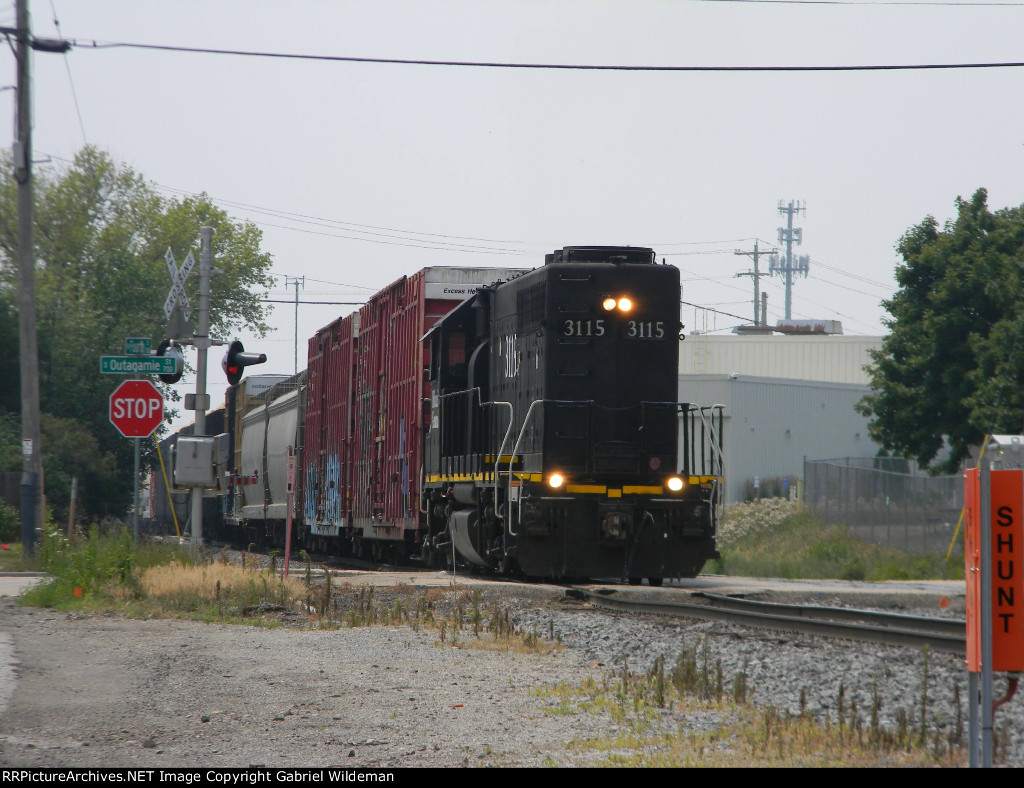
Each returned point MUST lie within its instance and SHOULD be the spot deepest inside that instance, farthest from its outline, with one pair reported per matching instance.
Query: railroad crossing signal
(136, 408)
(178, 276)
(236, 360)
(170, 349)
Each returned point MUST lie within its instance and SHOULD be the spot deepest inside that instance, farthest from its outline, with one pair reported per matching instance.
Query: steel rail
(955, 627)
(898, 630)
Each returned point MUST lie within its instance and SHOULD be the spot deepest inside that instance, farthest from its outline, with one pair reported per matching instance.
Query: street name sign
(133, 365)
(138, 346)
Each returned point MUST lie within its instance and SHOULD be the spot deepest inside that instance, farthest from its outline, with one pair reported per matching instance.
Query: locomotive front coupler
(616, 522)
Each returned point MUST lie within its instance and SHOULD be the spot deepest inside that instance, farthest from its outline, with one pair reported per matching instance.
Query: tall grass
(107, 570)
(778, 538)
(93, 566)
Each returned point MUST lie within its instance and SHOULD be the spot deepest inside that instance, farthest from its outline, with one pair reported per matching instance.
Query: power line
(71, 81)
(869, 3)
(533, 66)
(346, 225)
(340, 284)
(859, 278)
(320, 303)
(438, 247)
(823, 306)
(709, 309)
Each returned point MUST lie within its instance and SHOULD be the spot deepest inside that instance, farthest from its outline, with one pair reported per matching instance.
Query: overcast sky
(359, 173)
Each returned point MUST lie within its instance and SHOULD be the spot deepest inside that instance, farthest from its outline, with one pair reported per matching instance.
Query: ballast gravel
(102, 691)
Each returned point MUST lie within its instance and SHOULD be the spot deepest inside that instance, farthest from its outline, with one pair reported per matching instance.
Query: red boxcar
(361, 467)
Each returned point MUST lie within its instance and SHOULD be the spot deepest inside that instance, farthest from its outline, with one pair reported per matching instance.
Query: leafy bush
(106, 559)
(10, 522)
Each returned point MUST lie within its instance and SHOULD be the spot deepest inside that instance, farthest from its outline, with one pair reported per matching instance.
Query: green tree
(101, 232)
(950, 371)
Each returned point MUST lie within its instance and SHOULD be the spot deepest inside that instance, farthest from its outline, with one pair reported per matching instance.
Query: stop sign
(136, 408)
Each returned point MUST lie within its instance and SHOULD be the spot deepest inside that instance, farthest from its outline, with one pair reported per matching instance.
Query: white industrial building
(787, 398)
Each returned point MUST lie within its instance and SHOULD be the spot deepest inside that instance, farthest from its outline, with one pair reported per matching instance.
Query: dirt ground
(108, 691)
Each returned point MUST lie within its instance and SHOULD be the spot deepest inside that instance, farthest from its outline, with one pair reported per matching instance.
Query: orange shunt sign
(1007, 545)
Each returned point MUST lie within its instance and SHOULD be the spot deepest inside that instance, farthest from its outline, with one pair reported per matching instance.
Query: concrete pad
(12, 584)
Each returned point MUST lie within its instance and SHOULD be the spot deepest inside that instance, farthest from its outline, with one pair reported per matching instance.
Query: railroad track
(895, 629)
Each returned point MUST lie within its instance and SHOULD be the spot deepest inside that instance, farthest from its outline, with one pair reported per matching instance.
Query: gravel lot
(106, 691)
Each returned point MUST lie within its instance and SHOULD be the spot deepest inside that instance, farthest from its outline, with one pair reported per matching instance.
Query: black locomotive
(554, 435)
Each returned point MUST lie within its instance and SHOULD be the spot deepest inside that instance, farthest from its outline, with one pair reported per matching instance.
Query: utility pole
(28, 347)
(296, 280)
(756, 276)
(201, 342)
(789, 235)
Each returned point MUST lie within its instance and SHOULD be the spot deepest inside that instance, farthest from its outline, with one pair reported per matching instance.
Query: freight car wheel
(636, 581)
(655, 581)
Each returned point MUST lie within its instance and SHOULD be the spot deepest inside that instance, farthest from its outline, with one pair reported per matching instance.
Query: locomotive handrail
(497, 460)
(511, 462)
(716, 438)
(709, 425)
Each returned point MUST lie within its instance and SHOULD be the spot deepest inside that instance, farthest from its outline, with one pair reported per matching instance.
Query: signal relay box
(201, 461)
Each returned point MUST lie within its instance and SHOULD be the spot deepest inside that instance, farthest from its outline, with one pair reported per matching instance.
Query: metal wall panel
(835, 359)
(282, 437)
(771, 425)
(254, 435)
(327, 494)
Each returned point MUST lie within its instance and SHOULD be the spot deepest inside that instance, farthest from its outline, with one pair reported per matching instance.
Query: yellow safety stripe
(482, 477)
(504, 458)
(593, 489)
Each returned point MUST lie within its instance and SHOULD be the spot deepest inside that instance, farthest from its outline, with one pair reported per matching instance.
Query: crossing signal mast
(789, 235)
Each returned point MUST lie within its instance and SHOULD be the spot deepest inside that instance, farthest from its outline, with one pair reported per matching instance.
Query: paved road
(12, 584)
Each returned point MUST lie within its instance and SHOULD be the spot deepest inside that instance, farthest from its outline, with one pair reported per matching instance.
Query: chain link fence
(886, 501)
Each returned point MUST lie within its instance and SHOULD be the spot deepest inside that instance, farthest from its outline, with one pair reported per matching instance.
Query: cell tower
(789, 235)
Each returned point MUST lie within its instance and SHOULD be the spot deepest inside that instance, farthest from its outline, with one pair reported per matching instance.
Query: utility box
(197, 461)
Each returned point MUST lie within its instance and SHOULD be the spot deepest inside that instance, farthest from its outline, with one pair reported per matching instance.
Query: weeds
(777, 538)
(652, 715)
(107, 570)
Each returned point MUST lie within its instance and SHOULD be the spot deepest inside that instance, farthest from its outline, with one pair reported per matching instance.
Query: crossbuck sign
(178, 277)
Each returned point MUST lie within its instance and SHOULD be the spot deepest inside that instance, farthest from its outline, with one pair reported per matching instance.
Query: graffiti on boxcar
(311, 493)
(332, 479)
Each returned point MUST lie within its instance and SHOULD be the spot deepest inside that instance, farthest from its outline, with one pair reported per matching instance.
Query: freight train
(515, 421)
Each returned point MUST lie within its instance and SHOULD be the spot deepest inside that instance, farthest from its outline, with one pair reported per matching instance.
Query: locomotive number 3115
(635, 329)
(645, 329)
(583, 328)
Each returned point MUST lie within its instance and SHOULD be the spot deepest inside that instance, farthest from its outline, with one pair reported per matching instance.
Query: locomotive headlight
(609, 304)
(556, 480)
(675, 484)
(625, 304)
